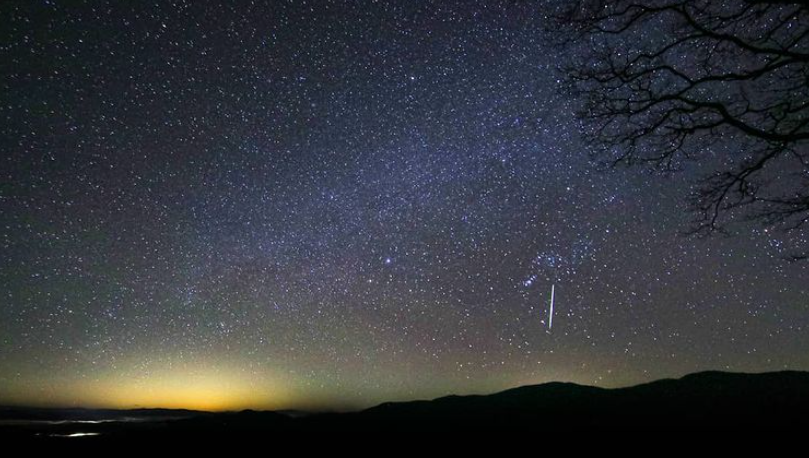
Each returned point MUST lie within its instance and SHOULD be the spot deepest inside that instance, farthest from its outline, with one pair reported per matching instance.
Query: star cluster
(335, 203)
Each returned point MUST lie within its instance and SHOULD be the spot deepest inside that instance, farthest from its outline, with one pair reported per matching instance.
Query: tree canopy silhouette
(723, 84)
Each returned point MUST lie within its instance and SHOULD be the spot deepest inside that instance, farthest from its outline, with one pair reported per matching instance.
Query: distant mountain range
(707, 400)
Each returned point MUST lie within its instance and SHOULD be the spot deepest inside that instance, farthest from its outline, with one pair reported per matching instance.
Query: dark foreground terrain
(706, 400)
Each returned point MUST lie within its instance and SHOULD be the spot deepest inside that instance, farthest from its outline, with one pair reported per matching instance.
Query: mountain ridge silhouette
(709, 399)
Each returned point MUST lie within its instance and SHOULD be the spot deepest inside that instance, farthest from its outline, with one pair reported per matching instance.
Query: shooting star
(550, 314)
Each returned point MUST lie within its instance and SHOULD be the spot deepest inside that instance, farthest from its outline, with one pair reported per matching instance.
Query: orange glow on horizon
(194, 392)
(205, 388)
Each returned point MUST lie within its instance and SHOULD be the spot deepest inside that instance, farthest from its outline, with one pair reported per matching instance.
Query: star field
(300, 204)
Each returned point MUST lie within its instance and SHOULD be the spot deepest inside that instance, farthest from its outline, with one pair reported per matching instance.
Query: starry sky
(330, 204)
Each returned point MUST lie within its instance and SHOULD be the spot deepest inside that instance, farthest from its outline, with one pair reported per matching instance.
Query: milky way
(291, 204)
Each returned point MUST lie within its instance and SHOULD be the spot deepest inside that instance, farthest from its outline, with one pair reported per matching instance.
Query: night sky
(330, 204)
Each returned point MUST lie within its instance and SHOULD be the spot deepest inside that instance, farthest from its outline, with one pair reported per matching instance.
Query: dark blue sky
(333, 203)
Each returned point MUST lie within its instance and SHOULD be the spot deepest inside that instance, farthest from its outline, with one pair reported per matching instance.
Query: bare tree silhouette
(724, 83)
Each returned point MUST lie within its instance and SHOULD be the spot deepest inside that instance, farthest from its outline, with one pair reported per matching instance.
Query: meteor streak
(550, 314)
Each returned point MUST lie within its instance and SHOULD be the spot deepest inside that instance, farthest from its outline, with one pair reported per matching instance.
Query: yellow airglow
(195, 388)
(193, 391)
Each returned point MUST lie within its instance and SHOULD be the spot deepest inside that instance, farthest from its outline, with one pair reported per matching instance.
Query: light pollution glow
(199, 388)
(218, 383)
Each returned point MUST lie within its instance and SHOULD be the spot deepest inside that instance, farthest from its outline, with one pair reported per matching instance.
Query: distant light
(76, 435)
